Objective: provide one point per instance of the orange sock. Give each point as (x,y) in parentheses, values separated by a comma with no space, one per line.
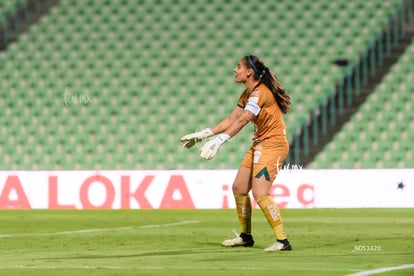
(272,214)
(244,212)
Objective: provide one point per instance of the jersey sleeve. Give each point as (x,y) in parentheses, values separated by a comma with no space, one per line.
(242,100)
(254,104)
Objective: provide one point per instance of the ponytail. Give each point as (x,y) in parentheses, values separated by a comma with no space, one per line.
(268,78)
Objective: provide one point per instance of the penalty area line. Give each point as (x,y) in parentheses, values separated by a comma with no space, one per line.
(381,270)
(83,231)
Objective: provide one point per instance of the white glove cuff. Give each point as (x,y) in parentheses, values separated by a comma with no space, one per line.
(222,138)
(207,131)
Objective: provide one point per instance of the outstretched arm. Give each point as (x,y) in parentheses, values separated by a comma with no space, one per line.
(229,127)
(189,140)
(236,118)
(224,130)
(237,122)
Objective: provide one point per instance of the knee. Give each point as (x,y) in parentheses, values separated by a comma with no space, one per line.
(237,190)
(259,193)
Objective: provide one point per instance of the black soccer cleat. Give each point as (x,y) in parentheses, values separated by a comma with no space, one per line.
(243,239)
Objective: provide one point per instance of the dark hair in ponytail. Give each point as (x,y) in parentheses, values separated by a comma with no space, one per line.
(266,76)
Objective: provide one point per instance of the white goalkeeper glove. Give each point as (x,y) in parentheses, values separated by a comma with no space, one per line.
(209,149)
(191,139)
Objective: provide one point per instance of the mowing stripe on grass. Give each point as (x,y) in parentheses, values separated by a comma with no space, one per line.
(206,268)
(382,270)
(99,230)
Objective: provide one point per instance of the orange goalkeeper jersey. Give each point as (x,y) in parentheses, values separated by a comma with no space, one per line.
(268,123)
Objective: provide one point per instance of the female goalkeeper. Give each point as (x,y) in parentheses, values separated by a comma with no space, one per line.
(263,102)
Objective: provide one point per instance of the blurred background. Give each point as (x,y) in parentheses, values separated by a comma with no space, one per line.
(114,84)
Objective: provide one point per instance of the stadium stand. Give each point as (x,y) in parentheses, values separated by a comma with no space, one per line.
(381,134)
(114,84)
(356,83)
(17,15)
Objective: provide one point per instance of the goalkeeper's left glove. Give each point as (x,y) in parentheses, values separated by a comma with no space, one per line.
(189,140)
(209,149)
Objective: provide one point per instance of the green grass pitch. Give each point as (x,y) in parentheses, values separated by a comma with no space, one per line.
(187,242)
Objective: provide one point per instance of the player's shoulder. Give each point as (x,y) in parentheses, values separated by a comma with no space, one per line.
(244,95)
(262,91)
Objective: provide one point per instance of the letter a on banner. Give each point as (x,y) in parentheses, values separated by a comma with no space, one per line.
(13,195)
(177,186)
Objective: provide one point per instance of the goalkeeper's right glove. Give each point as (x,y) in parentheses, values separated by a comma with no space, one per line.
(191,139)
(209,149)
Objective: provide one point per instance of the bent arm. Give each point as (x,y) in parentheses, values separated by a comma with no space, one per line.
(227,122)
(244,118)
(234,122)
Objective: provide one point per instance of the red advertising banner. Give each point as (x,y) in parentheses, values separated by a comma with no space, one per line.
(201,189)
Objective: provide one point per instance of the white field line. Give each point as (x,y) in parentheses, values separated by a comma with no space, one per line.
(98,230)
(382,270)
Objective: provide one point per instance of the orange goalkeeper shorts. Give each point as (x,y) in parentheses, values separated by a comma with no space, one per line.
(266,158)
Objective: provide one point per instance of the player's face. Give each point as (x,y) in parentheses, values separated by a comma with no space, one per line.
(242,73)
